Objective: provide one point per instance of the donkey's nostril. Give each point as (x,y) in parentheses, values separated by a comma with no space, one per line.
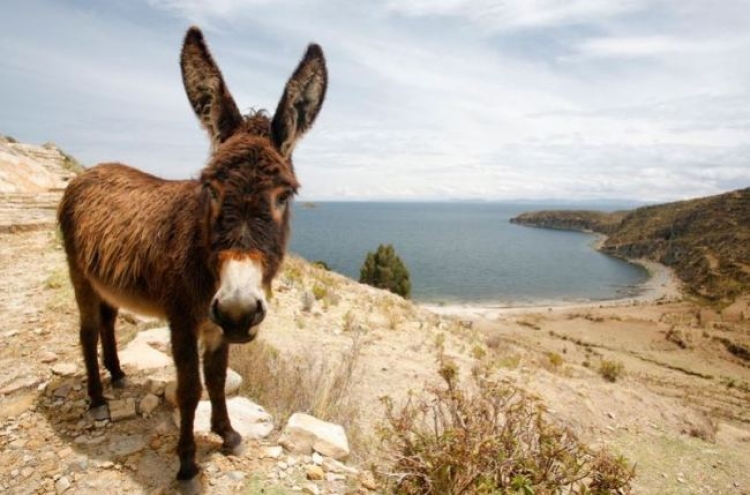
(260,313)
(213,312)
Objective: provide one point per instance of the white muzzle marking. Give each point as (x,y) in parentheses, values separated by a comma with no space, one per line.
(241,288)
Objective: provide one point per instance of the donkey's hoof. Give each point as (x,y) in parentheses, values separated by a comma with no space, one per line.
(121,382)
(193,486)
(99,413)
(233,444)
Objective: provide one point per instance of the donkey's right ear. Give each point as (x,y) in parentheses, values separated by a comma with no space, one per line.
(206,90)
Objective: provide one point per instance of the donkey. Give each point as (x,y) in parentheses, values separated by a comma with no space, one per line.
(200,253)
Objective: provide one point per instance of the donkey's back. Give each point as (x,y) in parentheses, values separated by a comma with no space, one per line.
(129,233)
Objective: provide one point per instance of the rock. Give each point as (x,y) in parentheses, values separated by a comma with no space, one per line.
(367,480)
(272,452)
(236,475)
(304,433)
(148,404)
(317,459)
(231,385)
(314,473)
(333,466)
(64,369)
(310,489)
(157,384)
(122,409)
(61,391)
(125,445)
(48,357)
(248,418)
(145,352)
(62,485)
(170,393)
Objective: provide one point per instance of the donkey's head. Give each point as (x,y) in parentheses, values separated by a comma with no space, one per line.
(248,182)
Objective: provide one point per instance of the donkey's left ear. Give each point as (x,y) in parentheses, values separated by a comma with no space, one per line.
(299,105)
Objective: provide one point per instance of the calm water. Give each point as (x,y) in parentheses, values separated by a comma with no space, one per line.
(464,252)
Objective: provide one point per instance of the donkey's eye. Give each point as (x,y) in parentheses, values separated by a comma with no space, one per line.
(282,199)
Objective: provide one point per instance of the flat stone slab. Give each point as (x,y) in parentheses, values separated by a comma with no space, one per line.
(248,418)
(145,352)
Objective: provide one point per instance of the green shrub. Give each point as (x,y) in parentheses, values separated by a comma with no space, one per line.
(322,264)
(490,439)
(385,270)
(319,292)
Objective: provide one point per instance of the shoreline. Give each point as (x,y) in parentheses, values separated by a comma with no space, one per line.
(662,285)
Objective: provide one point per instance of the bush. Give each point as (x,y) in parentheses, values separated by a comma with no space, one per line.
(385,270)
(611,370)
(490,439)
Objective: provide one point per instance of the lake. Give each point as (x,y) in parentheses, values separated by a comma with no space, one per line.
(466,252)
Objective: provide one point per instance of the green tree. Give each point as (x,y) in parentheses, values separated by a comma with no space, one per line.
(385,270)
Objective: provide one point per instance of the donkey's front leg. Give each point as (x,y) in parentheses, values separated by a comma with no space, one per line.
(185,354)
(215,374)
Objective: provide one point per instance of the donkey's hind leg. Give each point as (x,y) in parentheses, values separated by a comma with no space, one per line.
(108,315)
(88,307)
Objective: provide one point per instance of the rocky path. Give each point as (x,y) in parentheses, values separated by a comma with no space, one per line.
(48,443)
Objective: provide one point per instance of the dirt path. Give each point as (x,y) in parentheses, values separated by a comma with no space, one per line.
(47,442)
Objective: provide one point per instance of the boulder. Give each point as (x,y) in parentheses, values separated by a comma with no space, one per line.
(304,433)
(147,350)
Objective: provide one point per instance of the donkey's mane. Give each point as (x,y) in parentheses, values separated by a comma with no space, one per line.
(257,122)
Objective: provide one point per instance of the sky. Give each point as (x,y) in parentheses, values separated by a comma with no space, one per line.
(644,100)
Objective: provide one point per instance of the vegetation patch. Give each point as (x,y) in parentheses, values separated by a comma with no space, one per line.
(489,438)
(385,270)
(611,370)
(285,384)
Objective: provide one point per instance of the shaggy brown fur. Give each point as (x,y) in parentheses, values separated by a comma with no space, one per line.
(157,247)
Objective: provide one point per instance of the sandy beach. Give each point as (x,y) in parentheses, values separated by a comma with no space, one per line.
(662,285)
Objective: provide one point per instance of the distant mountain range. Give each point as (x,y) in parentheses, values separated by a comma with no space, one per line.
(706,241)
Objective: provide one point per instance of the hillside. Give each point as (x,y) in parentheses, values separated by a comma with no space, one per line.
(31,180)
(705,241)
(334,347)
(578,220)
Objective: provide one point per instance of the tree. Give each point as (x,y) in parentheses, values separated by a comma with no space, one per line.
(385,270)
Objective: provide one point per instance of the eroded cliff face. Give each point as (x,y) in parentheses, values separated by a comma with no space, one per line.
(32,179)
(30,169)
(706,240)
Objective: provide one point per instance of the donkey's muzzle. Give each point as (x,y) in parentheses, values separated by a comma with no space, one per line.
(238,327)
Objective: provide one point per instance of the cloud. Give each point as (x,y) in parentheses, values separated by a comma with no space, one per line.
(433,99)
(520,14)
(650,46)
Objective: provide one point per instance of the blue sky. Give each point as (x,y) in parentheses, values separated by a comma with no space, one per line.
(646,100)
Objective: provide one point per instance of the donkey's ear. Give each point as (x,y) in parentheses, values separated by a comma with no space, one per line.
(299,105)
(205,88)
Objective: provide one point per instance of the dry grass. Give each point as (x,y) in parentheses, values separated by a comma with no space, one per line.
(285,384)
(489,439)
(611,370)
